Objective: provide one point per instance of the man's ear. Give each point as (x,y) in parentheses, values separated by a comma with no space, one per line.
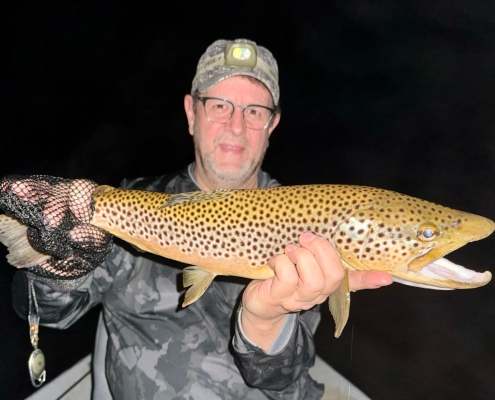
(189,108)
(274,123)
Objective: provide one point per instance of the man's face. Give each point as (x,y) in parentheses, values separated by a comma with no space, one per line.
(229,155)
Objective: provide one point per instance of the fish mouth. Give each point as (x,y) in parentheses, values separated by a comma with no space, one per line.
(431,271)
(443,274)
(431,255)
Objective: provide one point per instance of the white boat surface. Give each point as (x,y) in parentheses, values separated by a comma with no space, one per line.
(76,383)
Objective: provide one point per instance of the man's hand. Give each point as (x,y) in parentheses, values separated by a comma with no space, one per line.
(304,276)
(57,213)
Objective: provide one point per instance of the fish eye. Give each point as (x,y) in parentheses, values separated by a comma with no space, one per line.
(428,231)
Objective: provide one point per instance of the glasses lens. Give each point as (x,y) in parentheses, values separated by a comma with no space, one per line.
(218,111)
(256,117)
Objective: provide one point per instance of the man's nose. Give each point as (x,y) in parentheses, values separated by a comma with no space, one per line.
(236,122)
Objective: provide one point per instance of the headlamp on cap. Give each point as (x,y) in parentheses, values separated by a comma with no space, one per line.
(224,59)
(240,54)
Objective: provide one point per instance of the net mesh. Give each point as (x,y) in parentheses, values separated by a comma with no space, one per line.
(57,212)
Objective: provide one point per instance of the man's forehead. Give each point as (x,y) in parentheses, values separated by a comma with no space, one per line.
(241,82)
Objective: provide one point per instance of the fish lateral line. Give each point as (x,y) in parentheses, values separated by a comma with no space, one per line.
(193,197)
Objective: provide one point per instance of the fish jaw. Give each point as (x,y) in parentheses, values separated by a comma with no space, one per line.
(443,274)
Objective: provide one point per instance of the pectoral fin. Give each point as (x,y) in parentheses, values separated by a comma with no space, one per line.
(13,234)
(199,280)
(339,303)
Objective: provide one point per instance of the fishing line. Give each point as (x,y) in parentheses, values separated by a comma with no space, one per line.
(352,339)
(352,342)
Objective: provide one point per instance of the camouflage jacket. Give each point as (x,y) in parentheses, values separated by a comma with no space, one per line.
(149,347)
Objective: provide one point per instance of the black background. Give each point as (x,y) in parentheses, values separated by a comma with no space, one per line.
(393,94)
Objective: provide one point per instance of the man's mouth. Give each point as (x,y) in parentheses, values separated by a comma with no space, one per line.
(232,148)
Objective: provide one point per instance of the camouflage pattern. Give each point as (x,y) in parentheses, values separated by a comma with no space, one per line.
(158,350)
(211,68)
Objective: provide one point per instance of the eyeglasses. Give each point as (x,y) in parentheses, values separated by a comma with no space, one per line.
(220,111)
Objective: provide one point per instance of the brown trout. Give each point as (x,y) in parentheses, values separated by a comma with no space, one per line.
(235,232)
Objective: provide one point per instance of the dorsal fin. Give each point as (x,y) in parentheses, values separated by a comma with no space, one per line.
(102,189)
(193,197)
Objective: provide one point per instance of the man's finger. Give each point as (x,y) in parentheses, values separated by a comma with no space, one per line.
(327,259)
(80,197)
(359,280)
(286,278)
(311,279)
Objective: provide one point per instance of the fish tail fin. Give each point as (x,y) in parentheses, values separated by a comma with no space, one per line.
(199,280)
(13,234)
(339,303)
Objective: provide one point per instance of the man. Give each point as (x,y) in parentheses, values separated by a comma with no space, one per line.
(149,348)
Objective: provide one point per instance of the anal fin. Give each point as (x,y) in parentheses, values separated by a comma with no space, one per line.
(198,280)
(339,303)
(13,234)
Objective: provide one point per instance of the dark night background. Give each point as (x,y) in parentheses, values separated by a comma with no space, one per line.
(393,94)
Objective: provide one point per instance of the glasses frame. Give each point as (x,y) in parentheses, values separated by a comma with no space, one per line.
(203,99)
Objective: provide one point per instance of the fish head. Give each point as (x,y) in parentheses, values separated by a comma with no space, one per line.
(407,236)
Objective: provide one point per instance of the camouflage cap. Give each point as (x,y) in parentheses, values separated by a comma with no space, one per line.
(224,59)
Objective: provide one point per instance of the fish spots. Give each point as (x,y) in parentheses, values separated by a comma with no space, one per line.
(455,224)
(253,225)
